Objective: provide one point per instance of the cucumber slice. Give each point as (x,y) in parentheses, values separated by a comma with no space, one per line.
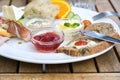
(23,21)
(77,17)
(70,15)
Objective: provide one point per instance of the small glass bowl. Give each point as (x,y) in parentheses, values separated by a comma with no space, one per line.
(48,39)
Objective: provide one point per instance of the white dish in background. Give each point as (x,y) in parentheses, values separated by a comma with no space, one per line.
(26,52)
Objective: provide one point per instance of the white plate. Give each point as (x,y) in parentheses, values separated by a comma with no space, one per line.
(26,52)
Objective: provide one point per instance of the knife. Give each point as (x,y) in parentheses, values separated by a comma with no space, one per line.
(100,36)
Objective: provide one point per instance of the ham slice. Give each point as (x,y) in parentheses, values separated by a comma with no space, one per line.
(3,40)
(19,30)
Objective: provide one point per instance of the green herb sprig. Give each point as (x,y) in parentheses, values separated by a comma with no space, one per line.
(71,25)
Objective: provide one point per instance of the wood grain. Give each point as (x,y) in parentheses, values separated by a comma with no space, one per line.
(89,76)
(84,66)
(30,68)
(107,62)
(104,5)
(57,68)
(116,5)
(19,3)
(7,65)
(117,48)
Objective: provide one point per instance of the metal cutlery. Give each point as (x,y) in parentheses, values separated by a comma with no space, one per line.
(105,14)
(100,36)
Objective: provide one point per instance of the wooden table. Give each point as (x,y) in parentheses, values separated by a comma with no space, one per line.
(104,67)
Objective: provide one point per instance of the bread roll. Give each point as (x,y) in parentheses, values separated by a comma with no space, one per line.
(41,9)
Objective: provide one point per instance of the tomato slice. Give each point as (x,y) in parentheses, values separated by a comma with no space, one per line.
(81,43)
(86,23)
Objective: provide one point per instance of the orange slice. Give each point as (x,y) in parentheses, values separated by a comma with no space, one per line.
(65,8)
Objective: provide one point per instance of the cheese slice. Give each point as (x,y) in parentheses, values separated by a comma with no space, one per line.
(12,12)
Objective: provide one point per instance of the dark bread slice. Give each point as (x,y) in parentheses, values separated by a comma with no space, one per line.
(102,45)
(104,28)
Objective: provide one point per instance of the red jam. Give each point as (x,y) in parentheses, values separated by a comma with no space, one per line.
(47,42)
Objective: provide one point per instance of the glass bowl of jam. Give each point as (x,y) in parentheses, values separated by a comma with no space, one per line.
(48,40)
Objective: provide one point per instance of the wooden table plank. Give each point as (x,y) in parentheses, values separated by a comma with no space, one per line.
(19,3)
(117,48)
(57,68)
(89,76)
(7,65)
(30,68)
(104,5)
(84,66)
(107,62)
(116,4)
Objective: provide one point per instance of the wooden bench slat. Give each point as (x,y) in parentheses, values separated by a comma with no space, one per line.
(30,68)
(84,66)
(57,68)
(7,65)
(118,50)
(107,62)
(116,5)
(19,3)
(104,5)
(89,76)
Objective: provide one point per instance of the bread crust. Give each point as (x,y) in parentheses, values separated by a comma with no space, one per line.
(102,45)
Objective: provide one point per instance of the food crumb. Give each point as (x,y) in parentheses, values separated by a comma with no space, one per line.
(19,42)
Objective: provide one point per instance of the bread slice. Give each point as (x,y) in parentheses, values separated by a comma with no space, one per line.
(100,46)
(41,9)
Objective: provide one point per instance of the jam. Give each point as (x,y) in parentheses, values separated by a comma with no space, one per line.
(47,42)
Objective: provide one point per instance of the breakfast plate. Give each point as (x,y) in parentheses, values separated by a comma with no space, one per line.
(26,52)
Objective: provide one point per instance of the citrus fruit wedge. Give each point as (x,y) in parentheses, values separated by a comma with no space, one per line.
(65,8)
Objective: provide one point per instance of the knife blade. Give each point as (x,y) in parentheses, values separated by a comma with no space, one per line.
(100,36)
